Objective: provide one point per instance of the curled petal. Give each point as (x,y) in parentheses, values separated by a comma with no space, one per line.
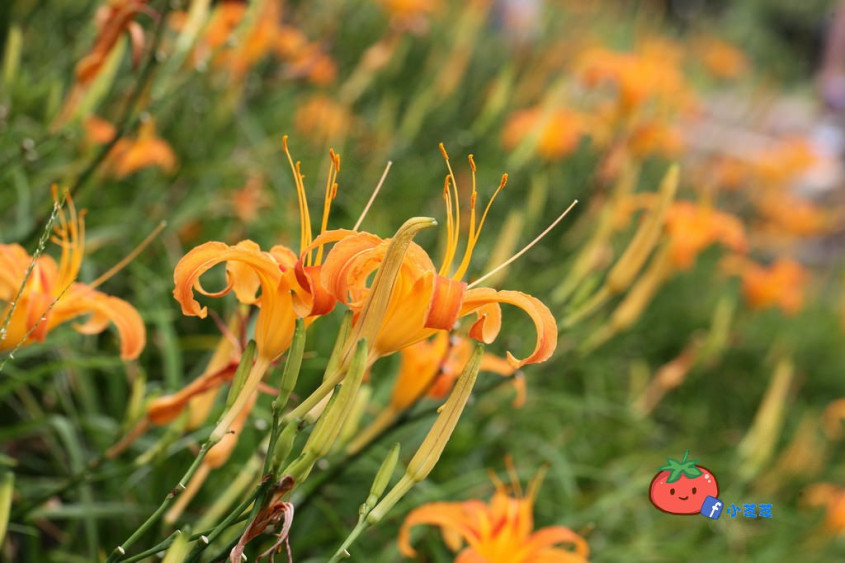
(336,266)
(104,309)
(543,320)
(240,277)
(199,260)
(446,303)
(310,297)
(451,516)
(284,256)
(489,323)
(546,538)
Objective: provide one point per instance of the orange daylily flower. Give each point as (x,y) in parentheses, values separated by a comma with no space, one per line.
(693,227)
(248,200)
(52,296)
(784,161)
(558,133)
(656,137)
(281,286)
(130,155)
(289,288)
(411,15)
(321,119)
(832,498)
(98,131)
(265,35)
(781,284)
(426,300)
(248,269)
(430,368)
(793,216)
(722,59)
(637,77)
(502,530)
(113,20)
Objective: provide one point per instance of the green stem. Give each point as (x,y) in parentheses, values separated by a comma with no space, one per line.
(155,549)
(120,550)
(233,517)
(343,551)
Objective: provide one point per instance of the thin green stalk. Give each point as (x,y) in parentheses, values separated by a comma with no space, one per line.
(343,551)
(232,518)
(120,550)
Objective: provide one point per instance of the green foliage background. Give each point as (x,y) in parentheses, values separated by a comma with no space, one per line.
(65,402)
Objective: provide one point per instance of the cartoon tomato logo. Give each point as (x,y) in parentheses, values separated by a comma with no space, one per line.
(680,487)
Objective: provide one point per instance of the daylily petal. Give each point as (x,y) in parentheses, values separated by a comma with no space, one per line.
(554,536)
(199,260)
(450,515)
(315,299)
(446,301)
(543,320)
(163,410)
(81,300)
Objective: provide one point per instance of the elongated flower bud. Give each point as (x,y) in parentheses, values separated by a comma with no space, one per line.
(7,481)
(331,421)
(645,238)
(294,361)
(432,446)
(241,373)
(632,260)
(339,345)
(382,479)
(375,307)
(755,450)
(284,445)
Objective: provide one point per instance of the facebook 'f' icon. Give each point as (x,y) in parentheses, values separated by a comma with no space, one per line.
(712,508)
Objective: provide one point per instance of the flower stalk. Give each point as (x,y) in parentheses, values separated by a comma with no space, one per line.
(427,454)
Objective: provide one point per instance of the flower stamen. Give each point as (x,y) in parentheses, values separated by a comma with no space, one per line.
(525,249)
(373,196)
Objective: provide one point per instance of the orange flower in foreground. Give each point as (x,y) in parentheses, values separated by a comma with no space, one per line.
(130,155)
(502,530)
(426,299)
(693,227)
(52,296)
(283,287)
(289,288)
(781,284)
(558,133)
